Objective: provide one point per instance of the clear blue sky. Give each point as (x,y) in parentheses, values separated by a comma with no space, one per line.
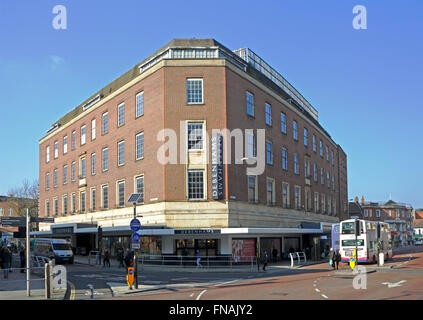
(366,84)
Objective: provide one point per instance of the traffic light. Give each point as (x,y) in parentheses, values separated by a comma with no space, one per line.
(357,229)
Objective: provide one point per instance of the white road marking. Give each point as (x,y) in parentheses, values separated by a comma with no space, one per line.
(227,282)
(191,295)
(324,296)
(394,285)
(176,279)
(199,296)
(317,290)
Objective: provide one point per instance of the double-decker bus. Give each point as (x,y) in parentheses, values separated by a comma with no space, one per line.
(373,236)
(335,236)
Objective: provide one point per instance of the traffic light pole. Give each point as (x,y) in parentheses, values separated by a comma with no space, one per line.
(136,253)
(28,261)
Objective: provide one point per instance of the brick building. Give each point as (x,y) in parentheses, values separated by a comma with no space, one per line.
(418,223)
(107,148)
(398,215)
(8,207)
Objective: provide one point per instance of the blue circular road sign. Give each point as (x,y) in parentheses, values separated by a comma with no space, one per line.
(135,237)
(135,225)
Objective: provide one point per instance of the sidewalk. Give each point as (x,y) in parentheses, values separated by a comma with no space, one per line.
(14,288)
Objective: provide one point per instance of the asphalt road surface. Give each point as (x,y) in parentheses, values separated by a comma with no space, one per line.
(400,278)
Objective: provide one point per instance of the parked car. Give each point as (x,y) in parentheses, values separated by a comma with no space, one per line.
(418,242)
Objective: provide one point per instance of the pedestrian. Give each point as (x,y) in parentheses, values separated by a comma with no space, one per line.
(106,260)
(265,260)
(1,256)
(22,258)
(198,259)
(275,254)
(120,257)
(128,258)
(337,258)
(7,259)
(332,258)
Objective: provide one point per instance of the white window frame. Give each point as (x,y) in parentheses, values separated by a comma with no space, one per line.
(56,149)
(65,144)
(202,91)
(121,115)
(121,153)
(139,104)
(141,134)
(203,181)
(83,134)
(93,129)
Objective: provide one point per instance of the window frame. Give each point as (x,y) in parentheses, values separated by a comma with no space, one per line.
(187,91)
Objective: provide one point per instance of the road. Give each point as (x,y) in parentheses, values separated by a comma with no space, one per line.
(316,282)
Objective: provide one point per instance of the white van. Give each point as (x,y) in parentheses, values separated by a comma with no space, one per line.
(58,249)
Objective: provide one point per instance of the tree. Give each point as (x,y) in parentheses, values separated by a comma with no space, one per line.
(26,196)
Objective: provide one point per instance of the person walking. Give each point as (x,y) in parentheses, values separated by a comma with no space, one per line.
(120,257)
(332,258)
(106,260)
(7,259)
(128,258)
(265,260)
(198,259)
(337,258)
(22,258)
(275,254)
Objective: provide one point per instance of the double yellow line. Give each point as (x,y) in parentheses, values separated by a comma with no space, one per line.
(72,290)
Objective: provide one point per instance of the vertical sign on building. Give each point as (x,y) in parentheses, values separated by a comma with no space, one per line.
(217,166)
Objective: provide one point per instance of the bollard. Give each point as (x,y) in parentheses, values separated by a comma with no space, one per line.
(46,281)
(50,277)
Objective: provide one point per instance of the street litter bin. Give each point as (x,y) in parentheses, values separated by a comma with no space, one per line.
(381,259)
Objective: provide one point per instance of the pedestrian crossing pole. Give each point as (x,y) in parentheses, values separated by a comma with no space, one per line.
(28,288)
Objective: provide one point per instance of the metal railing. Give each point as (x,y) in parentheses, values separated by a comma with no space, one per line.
(94,255)
(207,262)
(297,256)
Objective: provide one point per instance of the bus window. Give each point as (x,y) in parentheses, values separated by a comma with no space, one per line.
(348,228)
(352,243)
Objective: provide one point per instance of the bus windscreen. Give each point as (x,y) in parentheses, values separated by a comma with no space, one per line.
(348,228)
(352,243)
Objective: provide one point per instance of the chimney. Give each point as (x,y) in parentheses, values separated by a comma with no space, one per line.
(362,199)
(356,199)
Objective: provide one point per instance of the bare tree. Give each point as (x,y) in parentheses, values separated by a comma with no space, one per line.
(26,196)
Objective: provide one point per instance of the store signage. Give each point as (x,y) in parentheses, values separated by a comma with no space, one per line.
(217,166)
(197,231)
(66,230)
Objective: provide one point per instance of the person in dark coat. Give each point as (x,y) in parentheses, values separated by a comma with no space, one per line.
(106,260)
(265,260)
(120,257)
(7,260)
(22,259)
(337,259)
(128,258)
(275,254)
(332,258)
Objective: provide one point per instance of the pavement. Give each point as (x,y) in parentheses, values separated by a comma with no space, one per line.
(15,287)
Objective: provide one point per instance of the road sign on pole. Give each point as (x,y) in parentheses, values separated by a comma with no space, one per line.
(13,221)
(135,237)
(135,225)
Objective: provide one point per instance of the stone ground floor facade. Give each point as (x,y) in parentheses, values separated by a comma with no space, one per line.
(213,228)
